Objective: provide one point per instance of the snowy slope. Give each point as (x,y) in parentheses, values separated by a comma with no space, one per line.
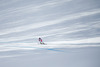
(70,28)
(29,55)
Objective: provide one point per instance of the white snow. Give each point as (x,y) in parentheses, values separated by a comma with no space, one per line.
(70,28)
(35,55)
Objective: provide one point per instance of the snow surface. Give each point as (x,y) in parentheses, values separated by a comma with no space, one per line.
(70,28)
(51,55)
(35,55)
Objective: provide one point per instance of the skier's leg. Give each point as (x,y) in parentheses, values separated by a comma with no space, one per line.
(40,43)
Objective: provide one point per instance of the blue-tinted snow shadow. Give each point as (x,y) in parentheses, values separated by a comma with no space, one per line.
(56,50)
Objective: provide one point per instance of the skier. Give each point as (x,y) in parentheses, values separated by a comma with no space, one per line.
(40,40)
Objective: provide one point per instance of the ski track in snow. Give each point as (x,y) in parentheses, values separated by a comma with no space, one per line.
(52,20)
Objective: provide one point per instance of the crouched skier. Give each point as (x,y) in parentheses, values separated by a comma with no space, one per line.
(41,41)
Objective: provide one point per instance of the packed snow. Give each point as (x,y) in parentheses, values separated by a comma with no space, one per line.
(70,30)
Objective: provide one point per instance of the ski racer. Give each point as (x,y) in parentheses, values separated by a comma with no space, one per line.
(40,40)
